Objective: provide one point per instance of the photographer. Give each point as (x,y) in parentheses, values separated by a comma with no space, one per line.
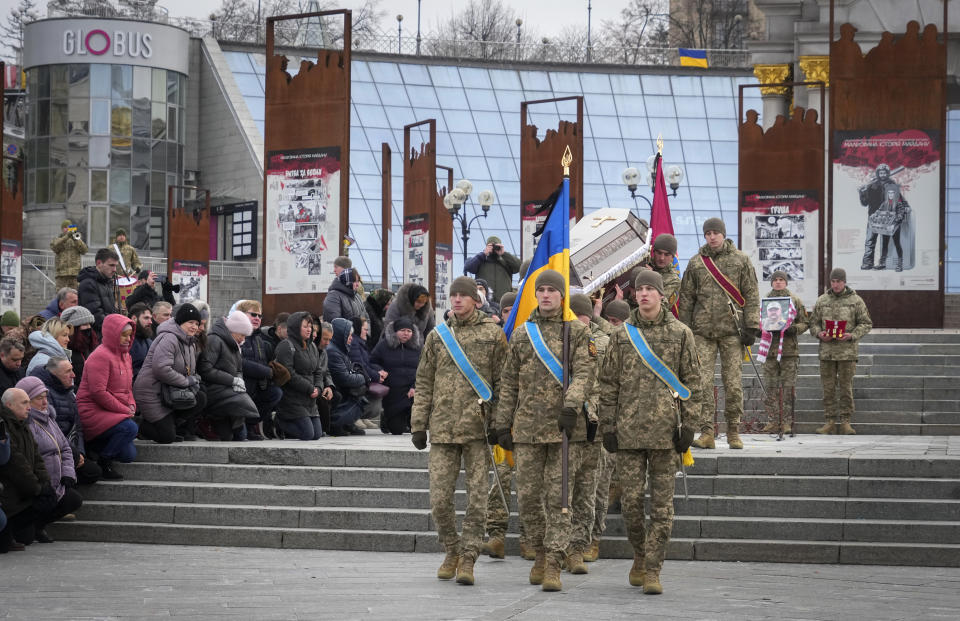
(495,266)
(146,292)
(69,249)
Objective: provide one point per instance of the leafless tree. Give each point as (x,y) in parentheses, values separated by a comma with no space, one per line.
(484,28)
(12,29)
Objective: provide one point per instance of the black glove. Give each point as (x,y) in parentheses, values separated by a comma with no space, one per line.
(747,338)
(682,439)
(592,430)
(610,441)
(176,288)
(419,439)
(491,436)
(567,421)
(45,501)
(504,439)
(68,482)
(166,286)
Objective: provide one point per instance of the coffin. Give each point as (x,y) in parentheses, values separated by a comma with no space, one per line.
(604,248)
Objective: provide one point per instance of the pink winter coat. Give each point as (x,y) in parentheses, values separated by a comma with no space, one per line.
(105,397)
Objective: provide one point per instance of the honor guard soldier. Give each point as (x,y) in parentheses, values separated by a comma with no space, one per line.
(720,302)
(649,398)
(661,261)
(458,381)
(839,320)
(783,358)
(533,412)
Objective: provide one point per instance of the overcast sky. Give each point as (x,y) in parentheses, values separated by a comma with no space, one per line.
(546,17)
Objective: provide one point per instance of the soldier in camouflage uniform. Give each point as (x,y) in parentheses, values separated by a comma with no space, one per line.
(783,372)
(131,260)
(68,250)
(838,357)
(532,413)
(661,262)
(639,420)
(617,312)
(705,308)
(585,456)
(448,406)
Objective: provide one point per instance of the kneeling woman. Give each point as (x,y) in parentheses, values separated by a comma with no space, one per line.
(221,368)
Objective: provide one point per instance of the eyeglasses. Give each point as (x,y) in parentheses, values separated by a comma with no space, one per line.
(254,314)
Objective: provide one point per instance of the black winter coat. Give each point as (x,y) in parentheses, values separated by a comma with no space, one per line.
(342,301)
(64,403)
(375,317)
(148,295)
(400,362)
(21,478)
(96,293)
(257,352)
(302,359)
(345,378)
(219,364)
(8,378)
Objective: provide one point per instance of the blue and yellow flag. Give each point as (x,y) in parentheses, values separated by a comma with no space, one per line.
(553,253)
(693,58)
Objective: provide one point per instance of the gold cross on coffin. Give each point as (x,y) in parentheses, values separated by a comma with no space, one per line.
(600,221)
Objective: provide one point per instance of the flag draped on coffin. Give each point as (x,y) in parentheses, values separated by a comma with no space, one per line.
(693,58)
(553,253)
(660,220)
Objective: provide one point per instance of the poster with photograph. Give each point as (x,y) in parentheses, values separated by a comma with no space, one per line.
(193,278)
(531,218)
(11,254)
(303,219)
(443,254)
(416,237)
(780,230)
(886,198)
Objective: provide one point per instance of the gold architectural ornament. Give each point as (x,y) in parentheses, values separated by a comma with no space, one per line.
(816,69)
(566,160)
(772,74)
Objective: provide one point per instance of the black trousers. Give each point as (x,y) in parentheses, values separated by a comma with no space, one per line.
(24,525)
(164,431)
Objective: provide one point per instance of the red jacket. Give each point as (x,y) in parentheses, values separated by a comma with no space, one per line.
(105,397)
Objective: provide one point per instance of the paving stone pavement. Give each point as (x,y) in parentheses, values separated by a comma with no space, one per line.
(79,580)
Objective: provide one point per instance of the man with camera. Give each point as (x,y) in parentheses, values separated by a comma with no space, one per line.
(68,249)
(494,265)
(146,292)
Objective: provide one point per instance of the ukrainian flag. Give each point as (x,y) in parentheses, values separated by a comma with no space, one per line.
(553,252)
(693,58)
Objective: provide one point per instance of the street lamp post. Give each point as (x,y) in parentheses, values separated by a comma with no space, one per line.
(418,27)
(455,199)
(399,33)
(519,23)
(631,179)
(589,15)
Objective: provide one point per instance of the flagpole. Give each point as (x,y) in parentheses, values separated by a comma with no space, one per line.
(565,446)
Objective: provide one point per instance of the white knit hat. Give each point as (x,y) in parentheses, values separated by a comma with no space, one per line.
(238,323)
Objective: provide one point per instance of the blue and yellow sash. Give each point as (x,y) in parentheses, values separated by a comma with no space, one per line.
(653,362)
(456,352)
(543,352)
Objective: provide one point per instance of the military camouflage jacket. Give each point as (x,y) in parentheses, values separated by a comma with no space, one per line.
(671,284)
(530,397)
(849,307)
(703,303)
(445,402)
(601,340)
(605,326)
(68,252)
(800,324)
(130,258)
(634,402)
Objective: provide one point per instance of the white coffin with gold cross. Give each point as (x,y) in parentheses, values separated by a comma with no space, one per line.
(605,245)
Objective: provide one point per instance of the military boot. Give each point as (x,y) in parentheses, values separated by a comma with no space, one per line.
(844,429)
(733,438)
(575,562)
(637,571)
(593,552)
(494,547)
(651,583)
(551,573)
(465,568)
(771,427)
(705,441)
(536,572)
(828,429)
(527,553)
(448,569)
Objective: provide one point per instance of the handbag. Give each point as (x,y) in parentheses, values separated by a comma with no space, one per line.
(178,398)
(377,391)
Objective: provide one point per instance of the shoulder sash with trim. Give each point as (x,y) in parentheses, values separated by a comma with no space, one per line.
(722,280)
(480,385)
(547,357)
(653,362)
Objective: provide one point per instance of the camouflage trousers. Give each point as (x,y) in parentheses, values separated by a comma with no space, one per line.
(632,468)
(538,491)
(837,379)
(605,474)
(731,361)
(776,375)
(444,469)
(498,514)
(66,281)
(584,475)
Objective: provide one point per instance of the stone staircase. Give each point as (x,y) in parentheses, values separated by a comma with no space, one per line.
(863,500)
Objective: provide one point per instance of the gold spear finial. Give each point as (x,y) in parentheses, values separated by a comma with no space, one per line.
(566,160)
(660,144)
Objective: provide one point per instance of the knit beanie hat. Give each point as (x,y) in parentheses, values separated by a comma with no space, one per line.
(120,232)
(343,262)
(66,224)
(238,323)
(403,323)
(77,316)
(32,385)
(187,312)
(464,285)
(779,274)
(580,304)
(508,299)
(649,278)
(715,224)
(552,278)
(414,293)
(10,319)
(838,273)
(665,242)
(618,309)
(493,239)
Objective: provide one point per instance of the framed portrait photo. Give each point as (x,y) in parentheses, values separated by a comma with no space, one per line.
(773,313)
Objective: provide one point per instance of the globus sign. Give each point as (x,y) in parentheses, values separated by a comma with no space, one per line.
(98,42)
